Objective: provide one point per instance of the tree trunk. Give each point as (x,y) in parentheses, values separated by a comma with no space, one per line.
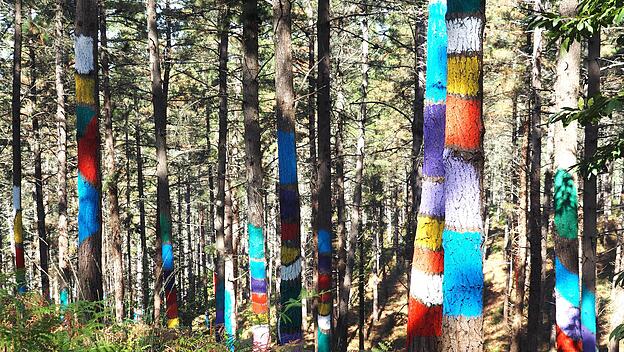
(535,217)
(566,198)
(164,228)
(617,293)
(142,238)
(89,175)
(289,325)
(424,326)
(221,162)
(112,192)
(128,223)
(61,155)
(462,285)
(590,210)
(324,216)
(36,145)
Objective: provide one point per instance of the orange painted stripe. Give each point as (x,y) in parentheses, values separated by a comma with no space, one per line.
(423,320)
(259,308)
(463,123)
(427,261)
(566,344)
(259,298)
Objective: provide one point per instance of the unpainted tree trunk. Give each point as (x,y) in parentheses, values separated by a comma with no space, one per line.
(143,279)
(128,224)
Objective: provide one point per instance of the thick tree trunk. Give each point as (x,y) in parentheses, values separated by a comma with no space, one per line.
(89,175)
(36,145)
(324,216)
(567,293)
(221,162)
(289,326)
(61,154)
(534,319)
(462,239)
(164,228)
(112,192)
(590,210)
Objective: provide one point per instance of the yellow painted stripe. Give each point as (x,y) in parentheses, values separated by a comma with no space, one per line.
(85,90)
(17,228)
(463,75)
(429,233)
(289,255)
(324,308)
(173,323)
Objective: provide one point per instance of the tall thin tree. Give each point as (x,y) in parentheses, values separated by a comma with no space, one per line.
(289,328)
(163,224)
(462,285)
(424,327)
(88,135)
(567,295)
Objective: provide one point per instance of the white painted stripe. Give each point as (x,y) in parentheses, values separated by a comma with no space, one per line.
(292,271)
(426,288)
(17,198)
(324,322)
(83,48)
(261,335)
(463,35)
(463,198)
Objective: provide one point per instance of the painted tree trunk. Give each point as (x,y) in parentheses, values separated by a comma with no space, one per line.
(462,285)
(424,326)
(324,216)
(567,295)
(88,135)
(61,122)
(290,318)
(590,209)
(163,228)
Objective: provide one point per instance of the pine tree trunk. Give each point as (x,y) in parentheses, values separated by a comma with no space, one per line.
(36,145)
(89,175)
(565,197)
(424,325)
(324,216)
(590,210)
(142,238)
(128,223)
(462,239)
(289,325)
(112,192)
(534,320)
(617,293)
(221,162)
(164,228)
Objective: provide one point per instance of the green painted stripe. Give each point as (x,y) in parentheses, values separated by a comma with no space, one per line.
(464,6)
(566,205)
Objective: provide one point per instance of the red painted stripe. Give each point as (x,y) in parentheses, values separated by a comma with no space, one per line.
(290,232)
(566,344)
(324,282)
(259,298)
(463,123)
(423,320)
(172,304)
(19,257)
(427,261)
(87,152)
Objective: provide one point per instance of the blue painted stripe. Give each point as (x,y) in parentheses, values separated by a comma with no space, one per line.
(286,152)
(88,209)
(462,284)
(288,204)
(229,312)
(256,242)
(588,310)
(567,283)
(324,241)
(257,269)
(436,53)
(167,256)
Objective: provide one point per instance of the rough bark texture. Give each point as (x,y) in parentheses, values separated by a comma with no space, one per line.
(324,216)
(89,175)
(590,210)
(289,325)
(142,237)
(164,228)
(462,285)
(424,325)
(128,224)
(534,319)
(112,192)
(567,293)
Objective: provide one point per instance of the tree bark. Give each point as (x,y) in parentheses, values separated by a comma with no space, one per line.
(164,228)
(566,197)
(89,173)
(535,217)
(590,210)
(128,223)
(142,238)
(462,285)
(112,192)
(324,216)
